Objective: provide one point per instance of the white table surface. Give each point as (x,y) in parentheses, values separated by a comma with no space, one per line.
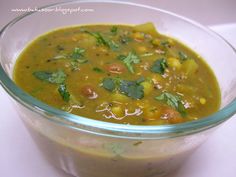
(19,156)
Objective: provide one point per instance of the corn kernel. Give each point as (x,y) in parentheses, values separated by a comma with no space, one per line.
(202,100)
(118,111)
(142,49)
(141,103)
(148,87)
(174,63)
(156,78)
(151,113)
(189,67)
(102,49)
(119,97)
(138,36)
(171,42)
(156,41)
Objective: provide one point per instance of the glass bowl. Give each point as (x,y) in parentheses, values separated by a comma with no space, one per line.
(88,148)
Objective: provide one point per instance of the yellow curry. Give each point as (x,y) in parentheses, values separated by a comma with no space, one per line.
(118,73)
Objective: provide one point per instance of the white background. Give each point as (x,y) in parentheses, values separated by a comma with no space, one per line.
(19,156)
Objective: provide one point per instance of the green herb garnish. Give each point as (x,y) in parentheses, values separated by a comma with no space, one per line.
(165,44)
(77,53)
(42,75)
(125,39)
(121,57)
(132,89)
(147,54)
(77,57)
(109,84)
(57,77)
(159,66)
(129,60)
(98,36)
(140,80)
(82,60)
(63,92)
(182,56)
(114,30)
(103,41)
(112,45)
(57,57)
(98,70)
(74,65)
(172,101)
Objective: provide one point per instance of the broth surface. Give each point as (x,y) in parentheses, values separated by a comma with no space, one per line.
(118,73)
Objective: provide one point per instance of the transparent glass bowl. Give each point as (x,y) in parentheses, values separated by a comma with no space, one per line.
(90,148)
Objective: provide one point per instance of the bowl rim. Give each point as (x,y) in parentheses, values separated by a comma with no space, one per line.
(110,129)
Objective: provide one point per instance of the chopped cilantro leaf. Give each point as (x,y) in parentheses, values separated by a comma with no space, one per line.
(57,57)
(181,109)
(74,65)
(135,91)
(57,77)
(172,101)
(98,70)
(121,57)
(129,60)
(182,56)
(42,75)
(112,45)
(125,39)
(140,80)
(77,53)
(109,84)
(159,66)
(63,92)
(82,60)
(114,30)
(147,54)
(165,44)
(132,89)
(102,41)
(77,56)
(99,38)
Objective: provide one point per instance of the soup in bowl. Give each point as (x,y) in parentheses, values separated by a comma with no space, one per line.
(115,95)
